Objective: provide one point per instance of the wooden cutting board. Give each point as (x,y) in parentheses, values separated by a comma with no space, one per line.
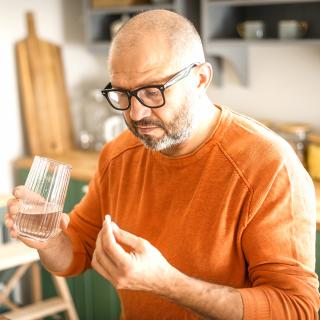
(45,104)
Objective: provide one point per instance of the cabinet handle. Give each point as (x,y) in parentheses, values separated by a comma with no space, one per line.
(85,188)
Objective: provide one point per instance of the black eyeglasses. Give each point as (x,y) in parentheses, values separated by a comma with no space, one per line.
(150,96)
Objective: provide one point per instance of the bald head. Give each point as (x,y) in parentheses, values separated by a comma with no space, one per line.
(170,36)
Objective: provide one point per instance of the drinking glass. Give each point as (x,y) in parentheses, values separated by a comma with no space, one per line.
(43,198)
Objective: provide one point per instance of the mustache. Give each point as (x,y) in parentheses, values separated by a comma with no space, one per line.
(148,122)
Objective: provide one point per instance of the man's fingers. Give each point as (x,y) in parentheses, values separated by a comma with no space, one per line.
(96,265)
(65,219)
(23,193)
(103,258)
(129,239)
(13,233)
(8,221)
(13,206)
(109,245)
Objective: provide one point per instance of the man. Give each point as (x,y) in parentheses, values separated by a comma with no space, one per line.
(195,212)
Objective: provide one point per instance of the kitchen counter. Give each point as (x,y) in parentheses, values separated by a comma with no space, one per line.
(84,164)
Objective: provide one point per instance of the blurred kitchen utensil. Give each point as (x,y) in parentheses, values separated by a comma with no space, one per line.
(113,126)
(296,135)
(43,94)
(251,30)
(292,29)
(94,113)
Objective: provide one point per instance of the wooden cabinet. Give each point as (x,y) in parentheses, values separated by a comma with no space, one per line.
(94,297)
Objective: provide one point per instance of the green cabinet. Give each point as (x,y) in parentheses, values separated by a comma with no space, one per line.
(94,297)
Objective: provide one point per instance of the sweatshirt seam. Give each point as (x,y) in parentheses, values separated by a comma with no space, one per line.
(119,154)
(242,177)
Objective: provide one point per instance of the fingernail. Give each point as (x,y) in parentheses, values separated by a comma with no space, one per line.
(107,219)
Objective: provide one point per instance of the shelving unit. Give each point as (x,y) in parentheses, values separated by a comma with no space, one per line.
(98,21)
(219,20)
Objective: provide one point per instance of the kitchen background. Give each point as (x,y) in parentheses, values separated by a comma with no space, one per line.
(283,87)
(284,79)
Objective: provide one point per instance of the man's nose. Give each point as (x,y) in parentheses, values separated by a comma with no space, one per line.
(137,110)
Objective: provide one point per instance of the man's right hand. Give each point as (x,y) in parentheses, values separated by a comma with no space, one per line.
(13,206)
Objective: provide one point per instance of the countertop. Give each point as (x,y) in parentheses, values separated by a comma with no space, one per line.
(85,163)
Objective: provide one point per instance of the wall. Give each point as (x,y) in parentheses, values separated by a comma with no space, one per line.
(284,80)
(57,21)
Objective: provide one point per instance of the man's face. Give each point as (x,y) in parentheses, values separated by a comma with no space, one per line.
(161,128)
(164,130)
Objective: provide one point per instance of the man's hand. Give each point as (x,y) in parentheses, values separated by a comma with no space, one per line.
(143,268)
(13,205)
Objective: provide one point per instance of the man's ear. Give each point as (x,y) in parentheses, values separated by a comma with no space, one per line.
(205,74)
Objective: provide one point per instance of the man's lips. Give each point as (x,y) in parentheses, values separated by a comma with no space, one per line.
(147,129)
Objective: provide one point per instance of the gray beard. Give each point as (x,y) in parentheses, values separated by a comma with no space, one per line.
(176,131)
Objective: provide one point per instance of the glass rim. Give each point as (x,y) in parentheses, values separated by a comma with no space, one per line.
(58,162)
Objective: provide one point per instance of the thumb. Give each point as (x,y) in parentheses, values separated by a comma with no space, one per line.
(65,219)
(128,239)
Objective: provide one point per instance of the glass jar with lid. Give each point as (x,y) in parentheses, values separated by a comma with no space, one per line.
(296,135)
(95,111)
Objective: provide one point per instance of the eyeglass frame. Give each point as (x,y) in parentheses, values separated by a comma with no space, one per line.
(162,87)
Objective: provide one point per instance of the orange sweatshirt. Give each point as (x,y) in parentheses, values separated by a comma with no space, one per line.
(239,211)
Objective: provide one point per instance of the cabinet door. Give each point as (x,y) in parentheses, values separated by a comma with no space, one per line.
(94,297)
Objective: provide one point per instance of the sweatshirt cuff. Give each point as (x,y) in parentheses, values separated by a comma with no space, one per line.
(79,261)
(255,304)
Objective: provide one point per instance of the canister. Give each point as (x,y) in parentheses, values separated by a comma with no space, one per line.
(313,157)
(296,135)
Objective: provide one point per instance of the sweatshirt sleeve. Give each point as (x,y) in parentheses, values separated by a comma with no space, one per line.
(279,245)
(85,224)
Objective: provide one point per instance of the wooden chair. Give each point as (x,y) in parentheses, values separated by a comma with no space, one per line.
(17,255)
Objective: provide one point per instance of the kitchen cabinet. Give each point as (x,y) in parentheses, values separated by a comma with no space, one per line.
(94,297)
(220,18)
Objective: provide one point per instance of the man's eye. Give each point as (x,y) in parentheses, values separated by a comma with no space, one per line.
(152,92)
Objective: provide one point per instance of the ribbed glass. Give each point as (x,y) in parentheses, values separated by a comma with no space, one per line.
(43,199)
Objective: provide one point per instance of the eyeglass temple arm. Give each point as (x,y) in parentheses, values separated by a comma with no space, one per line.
(180,76)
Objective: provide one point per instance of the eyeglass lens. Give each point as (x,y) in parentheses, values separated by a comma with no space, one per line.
(151,97)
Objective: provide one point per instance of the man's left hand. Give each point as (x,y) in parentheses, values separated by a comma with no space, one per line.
(143,268)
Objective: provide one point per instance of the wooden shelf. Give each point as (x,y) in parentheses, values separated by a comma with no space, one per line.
(131,9)
(243,42)
(256,2)
(84,164)
(220,19)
